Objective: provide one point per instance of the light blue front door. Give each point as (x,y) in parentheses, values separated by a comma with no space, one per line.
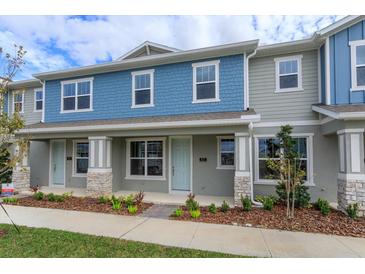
(180,164)
(58,163)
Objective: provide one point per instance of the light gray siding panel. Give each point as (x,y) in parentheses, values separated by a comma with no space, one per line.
(29,115)
(283,106)
(207,179)
(39,163)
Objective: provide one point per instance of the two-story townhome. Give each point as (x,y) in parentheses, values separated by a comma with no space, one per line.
(159,119)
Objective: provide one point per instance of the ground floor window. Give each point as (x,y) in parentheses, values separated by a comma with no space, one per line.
(268,148)
(226,149)
(145,157)
(81,157)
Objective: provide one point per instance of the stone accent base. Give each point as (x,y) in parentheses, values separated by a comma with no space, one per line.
(21,179)
(99,183)
(350,192)
(242,186)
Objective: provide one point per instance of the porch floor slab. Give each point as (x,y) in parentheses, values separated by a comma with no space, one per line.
(214,237)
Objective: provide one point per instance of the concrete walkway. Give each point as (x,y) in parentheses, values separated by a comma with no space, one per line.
(221,238)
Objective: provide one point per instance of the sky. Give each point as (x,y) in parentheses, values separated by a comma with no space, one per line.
(60,42)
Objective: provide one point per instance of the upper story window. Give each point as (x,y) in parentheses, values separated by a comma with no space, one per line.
(358,65)
(77,95)
(142,88)
(18,102)
(225,152)
(38,100)
(206,82)
(288,72)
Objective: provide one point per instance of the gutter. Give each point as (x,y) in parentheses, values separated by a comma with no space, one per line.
(250,130)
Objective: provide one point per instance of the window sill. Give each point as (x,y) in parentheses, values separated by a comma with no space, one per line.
(73,111)
(361,88)
(79,175)
(143,106)
(274,183)
(206,101)
(288,90)
(37,110)
(146,178)
(226,167)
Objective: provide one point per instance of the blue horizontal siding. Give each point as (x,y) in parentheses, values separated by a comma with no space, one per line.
(112,94)
(340,65)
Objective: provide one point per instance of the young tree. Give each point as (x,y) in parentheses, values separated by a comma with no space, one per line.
(10,64)
(289,167)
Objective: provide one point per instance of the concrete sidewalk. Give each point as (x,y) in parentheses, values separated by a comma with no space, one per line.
(221,238)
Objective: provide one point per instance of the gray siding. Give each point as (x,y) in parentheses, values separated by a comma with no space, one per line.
(29,115)
(39,163)
(290,105)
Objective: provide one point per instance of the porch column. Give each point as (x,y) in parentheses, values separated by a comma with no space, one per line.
(21,172)
(242,176)
(100,173)
(351,176)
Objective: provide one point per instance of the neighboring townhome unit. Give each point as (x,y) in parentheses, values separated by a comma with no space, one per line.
(159,119)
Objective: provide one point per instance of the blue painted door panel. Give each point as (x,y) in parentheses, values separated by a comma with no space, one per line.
(58,163)
(180,164)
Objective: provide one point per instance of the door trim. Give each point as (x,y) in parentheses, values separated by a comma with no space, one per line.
(50,181)
(171,191)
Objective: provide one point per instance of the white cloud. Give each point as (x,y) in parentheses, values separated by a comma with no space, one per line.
(57,42)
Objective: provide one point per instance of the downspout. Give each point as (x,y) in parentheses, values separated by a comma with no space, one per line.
(250,132)
(246,84)
(43,98)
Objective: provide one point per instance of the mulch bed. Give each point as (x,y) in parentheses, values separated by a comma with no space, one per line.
(79,204)
(306,220)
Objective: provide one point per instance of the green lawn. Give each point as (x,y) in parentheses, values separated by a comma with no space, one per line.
(42,242)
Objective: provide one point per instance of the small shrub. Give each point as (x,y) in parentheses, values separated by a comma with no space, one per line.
(268,203)
(261,198)
(224,206)
(103,199)
(67,195)
(191,203)
(128,200)
(246,203)
(195,213)
(34,189)
(132,209)
(59,198)
(352,210)
(212,208)
(51,197)
(302,196)
(138,198)
(38,196)
(323,206)
(178,212)
(10,200)
(116,203)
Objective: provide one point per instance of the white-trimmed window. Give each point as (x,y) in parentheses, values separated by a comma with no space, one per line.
(358,65)
(268,148)
(38,100)
(18,102)
(146,158)
(225,148)
(206,82)
(77,95)
(80,157)
(288,73)
(142,88)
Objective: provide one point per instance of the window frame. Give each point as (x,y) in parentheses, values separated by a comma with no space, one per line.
(22,102)
(219,152)
(216,81)
(146,176)
(151,72)
(353,45)
(35,100)
(309,140)
(277,61)
(74,157)
(76,81)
